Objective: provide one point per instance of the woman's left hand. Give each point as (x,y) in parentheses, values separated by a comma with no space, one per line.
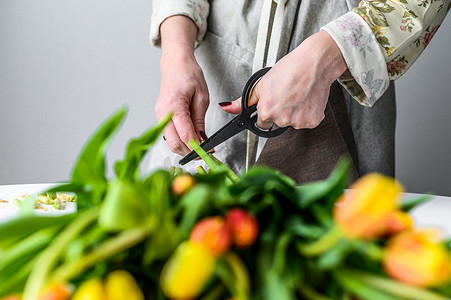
(295,91)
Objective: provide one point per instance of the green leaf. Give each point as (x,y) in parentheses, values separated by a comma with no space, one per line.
(335,256)
(193,203)
(22,227)
(392,287)
(409,204)
(89,168)
(128,168)
(329,189)
(124,207)
(273,285)
(359,287)
(166,235)
(298,227)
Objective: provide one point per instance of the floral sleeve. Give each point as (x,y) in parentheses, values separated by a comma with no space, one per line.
(380,39)
(196,10)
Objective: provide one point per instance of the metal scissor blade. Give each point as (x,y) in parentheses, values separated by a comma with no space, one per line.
(223,134)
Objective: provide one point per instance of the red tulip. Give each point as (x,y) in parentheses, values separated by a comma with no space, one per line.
(243,226)
(212,233)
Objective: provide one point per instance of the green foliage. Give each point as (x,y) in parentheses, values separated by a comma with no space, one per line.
(134,222)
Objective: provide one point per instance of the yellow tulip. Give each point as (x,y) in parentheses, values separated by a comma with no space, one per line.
(120,285)
(418,258)
(187,270)
(363,211)
(91,289)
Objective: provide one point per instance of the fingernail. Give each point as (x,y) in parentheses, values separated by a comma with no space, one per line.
(222,104)
(203,135)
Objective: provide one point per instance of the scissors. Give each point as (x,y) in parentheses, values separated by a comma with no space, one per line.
(245,120)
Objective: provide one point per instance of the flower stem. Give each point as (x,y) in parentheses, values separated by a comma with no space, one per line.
(202,154)
(324,243)
(49,257)
(310,294)
(107,249)
(396,288)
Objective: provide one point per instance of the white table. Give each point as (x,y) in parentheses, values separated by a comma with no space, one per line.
(9,192)
(435,213)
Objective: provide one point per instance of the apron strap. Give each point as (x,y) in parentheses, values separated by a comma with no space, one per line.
(267,43)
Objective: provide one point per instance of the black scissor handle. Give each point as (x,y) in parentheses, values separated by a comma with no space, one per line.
(248,111)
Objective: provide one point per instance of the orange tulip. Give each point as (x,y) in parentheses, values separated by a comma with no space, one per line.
(397,222)
(243,227)
(418,258)
(56,292)
(213,234)
(363,211)
(187,270)
(182,184)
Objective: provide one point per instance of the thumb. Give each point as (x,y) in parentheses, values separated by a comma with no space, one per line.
(233,107)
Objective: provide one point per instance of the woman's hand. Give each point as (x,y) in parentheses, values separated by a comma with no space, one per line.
(183,90)
(295,91)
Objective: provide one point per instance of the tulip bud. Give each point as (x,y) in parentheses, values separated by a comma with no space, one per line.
(56,292)
(187,270)
(120,285)
(417,258)
(397,222)
(213,234)
(91,289)
(243,227)
(182,183)
(363,211)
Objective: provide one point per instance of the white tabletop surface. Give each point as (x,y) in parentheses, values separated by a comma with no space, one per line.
(434,213)
(9,192)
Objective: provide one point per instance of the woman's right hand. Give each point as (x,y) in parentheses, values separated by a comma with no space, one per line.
(183,90)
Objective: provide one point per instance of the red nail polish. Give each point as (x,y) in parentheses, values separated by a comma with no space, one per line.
(222,104)
(203,135)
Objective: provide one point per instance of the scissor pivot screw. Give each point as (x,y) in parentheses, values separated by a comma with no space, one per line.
(241,123)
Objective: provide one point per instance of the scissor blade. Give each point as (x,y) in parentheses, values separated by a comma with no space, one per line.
(223,134)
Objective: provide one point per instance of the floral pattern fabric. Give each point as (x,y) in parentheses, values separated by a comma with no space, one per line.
(401,29)
(379,39)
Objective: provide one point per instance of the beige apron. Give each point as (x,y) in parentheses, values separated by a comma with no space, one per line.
(311,154)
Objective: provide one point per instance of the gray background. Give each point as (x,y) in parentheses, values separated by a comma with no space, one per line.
(66,65)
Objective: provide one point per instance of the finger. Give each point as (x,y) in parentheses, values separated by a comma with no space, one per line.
(264,125)
(185,127)
(173,140)
(233,107)
(198,110)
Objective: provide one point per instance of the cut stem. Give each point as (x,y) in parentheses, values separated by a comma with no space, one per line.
(202,154)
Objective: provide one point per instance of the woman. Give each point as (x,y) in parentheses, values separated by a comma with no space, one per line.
(318,42)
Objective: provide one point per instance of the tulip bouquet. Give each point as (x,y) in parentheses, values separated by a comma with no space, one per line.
(216,235)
